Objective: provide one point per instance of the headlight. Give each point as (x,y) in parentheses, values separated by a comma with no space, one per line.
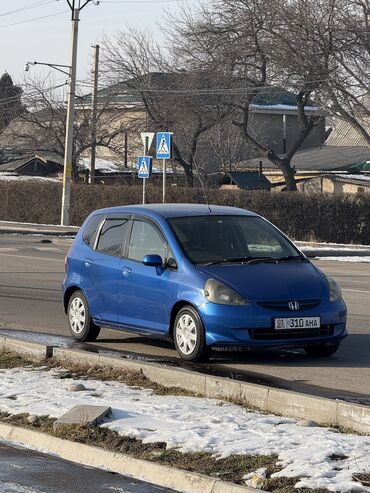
(335,293)
(215,292)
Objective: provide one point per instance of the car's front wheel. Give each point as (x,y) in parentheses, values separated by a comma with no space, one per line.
(189,335)
(322,350)
(81,325)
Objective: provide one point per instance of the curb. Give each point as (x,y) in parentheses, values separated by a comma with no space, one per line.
(315,244)
(327,412)
(150,472)
(10,227)
(312,253)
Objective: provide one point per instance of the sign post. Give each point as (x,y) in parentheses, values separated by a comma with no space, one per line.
(147,138)
(164,151)
(144,166)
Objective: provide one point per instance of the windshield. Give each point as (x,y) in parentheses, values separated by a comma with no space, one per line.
(217,239)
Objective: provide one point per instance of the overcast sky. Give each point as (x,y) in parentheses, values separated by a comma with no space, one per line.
(25,36)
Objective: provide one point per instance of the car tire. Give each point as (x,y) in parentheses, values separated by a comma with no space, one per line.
(81,326)
(322,350)
(189,336)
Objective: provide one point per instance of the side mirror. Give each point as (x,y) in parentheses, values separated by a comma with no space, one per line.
(152,261)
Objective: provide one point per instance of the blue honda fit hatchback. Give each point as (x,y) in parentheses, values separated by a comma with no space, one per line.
(207,278)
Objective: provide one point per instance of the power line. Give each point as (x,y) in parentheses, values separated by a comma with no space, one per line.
(40,3)
(143,1)
(33,20)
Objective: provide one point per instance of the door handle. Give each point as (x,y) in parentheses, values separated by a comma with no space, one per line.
(88,262)
(126,271)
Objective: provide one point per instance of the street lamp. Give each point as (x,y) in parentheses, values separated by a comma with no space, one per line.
(55,66)
(76,6)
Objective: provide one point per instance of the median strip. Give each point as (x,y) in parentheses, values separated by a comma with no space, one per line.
(209,441)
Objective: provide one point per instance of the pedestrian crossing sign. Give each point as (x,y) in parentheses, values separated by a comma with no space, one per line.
(144,166)
(164,145)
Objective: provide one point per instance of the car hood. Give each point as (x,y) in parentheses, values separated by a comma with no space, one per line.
(271,281)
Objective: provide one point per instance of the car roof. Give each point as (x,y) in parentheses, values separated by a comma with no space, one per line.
(178,210)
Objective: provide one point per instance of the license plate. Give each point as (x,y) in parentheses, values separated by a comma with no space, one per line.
(297,323)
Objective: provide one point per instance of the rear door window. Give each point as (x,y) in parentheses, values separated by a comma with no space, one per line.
(113,236)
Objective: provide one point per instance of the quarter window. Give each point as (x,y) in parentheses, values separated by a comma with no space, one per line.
(113,236)
(91,230)
(146,240)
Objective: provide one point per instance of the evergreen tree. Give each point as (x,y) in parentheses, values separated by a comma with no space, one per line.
(10,100)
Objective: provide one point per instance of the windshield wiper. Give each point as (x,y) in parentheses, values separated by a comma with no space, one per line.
(253,260)
(236,260)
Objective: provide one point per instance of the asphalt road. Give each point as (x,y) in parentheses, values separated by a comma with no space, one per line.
(31,274)
(24,471)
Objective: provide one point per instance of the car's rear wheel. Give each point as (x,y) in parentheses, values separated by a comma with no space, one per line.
(81,325)
(322,350)
(189,335)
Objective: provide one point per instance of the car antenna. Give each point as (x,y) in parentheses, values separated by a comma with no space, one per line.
(201,172)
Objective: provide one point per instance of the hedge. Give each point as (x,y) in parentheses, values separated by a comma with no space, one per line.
(322,217)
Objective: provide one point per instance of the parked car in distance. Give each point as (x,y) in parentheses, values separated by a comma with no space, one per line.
(208,278)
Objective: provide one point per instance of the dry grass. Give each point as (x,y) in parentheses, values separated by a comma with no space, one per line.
(364,479)
(231,469)
(126,376)
(10,360)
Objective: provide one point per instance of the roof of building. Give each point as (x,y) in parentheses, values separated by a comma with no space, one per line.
(43,157)
(363,180)
(345,135)
(128,93)
(249,180)
(25,135)
(323,158)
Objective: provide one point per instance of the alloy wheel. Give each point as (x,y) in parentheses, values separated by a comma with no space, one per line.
(77,315)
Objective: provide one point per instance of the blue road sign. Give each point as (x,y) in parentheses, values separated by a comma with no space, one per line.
(144,166)
(164,145)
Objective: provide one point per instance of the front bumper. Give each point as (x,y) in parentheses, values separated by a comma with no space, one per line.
(251,326)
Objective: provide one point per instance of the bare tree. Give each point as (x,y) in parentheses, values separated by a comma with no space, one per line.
(329,46)
(236,38)
(42,125)
(173,99)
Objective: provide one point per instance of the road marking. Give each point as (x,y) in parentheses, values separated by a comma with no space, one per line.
(33,258)
(46,249)
(356,290)
(8,249)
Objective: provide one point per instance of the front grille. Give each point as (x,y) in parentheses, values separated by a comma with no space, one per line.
(275,335)
(283,305)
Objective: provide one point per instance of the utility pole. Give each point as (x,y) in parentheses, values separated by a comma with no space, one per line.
(94,112)
(76,7)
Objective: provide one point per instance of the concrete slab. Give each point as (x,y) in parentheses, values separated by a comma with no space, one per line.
(295,405)
(160,475)
(32,350)
(83,415)
(354,416)
(75,356)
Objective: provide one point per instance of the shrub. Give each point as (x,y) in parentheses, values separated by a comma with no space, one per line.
(321,217)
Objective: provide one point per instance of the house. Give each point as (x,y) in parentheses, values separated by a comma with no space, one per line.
(310,163)
(245,180)
(273,120)
(39,164)
(338,183)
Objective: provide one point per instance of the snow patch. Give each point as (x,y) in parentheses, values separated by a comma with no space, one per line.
(346,259)
(198,424)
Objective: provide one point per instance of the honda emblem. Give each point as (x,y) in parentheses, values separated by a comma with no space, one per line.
(293,305)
